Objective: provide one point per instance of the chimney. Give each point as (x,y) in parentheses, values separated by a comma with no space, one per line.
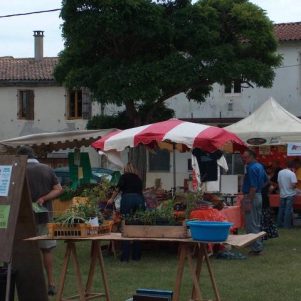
(38,44)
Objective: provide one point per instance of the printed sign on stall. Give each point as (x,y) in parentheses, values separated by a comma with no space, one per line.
(4,215)
(294,149)
(264,150)
(5,174)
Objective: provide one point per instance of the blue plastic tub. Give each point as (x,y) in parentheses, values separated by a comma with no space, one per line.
(209,231)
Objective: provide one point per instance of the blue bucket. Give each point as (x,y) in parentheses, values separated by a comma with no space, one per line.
(209,231)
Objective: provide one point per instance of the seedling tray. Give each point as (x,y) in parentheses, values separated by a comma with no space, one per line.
(56,230)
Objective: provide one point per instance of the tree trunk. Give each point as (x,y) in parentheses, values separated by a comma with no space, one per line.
(137,156)
(132,113)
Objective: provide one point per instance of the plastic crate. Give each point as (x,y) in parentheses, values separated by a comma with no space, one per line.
(78,230)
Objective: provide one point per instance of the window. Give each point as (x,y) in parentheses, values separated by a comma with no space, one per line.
(159,161)
(233,87)
(79,104)
(26,104)
(74,103)
(235,164)
(189,165)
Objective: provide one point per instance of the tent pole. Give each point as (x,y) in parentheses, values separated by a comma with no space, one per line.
(174,168)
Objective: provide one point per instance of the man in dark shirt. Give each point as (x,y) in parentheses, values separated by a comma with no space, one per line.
(255,179)
(44,187)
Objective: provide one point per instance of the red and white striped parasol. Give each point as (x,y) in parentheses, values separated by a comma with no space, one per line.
(173,132)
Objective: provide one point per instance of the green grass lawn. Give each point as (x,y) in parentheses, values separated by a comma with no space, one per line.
(276,275)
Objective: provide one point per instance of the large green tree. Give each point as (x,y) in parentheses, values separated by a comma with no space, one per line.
(138,53)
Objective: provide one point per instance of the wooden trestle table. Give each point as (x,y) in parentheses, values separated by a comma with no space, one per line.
(186,249)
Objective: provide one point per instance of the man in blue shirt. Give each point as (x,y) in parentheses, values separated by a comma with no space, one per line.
(254,180)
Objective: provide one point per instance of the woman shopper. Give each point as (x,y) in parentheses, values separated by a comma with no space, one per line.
(267,222)
(130,186)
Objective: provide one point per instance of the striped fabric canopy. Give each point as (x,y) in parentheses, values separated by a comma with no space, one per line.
(173,131)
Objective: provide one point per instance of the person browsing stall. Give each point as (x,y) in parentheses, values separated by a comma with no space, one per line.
(255,179)
(287,183)
(130,185)
(44,187)
(297,166)
(267,221)
(275,168)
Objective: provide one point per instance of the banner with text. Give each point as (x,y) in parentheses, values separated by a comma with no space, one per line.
(294,149)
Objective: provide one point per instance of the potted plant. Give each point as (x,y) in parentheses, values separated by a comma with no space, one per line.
(81,195)
(156,223)
(79,221)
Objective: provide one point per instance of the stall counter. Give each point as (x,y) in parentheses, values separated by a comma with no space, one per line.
(275,201)
(233,215)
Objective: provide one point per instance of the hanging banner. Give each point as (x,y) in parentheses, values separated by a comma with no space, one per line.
(5,174)
(294,149)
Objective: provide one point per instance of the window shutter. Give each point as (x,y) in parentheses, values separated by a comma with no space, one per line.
(86,104)
(19,104)
(30,112)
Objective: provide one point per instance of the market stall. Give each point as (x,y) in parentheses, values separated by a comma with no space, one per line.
(269,130)
(269,125)
(165,222)
(174,134)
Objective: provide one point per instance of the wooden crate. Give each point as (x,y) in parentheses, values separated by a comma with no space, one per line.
(137,231)
(56,230)
(59,207)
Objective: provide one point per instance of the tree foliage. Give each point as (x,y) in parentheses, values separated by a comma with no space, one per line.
(121,120)
(129,52)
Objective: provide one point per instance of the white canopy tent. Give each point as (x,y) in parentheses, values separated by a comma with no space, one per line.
(270,124)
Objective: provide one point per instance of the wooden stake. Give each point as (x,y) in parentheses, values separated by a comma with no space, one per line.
(102,269)
(199,263)
(196,285)
(59,295)
(212,278)
(79,282)
(91,269)
(180,270)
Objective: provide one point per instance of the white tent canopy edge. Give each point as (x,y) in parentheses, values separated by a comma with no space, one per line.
(271,123)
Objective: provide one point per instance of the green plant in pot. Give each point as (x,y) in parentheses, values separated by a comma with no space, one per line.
(97,193)
(68,194)
(81,213)
(161,216)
